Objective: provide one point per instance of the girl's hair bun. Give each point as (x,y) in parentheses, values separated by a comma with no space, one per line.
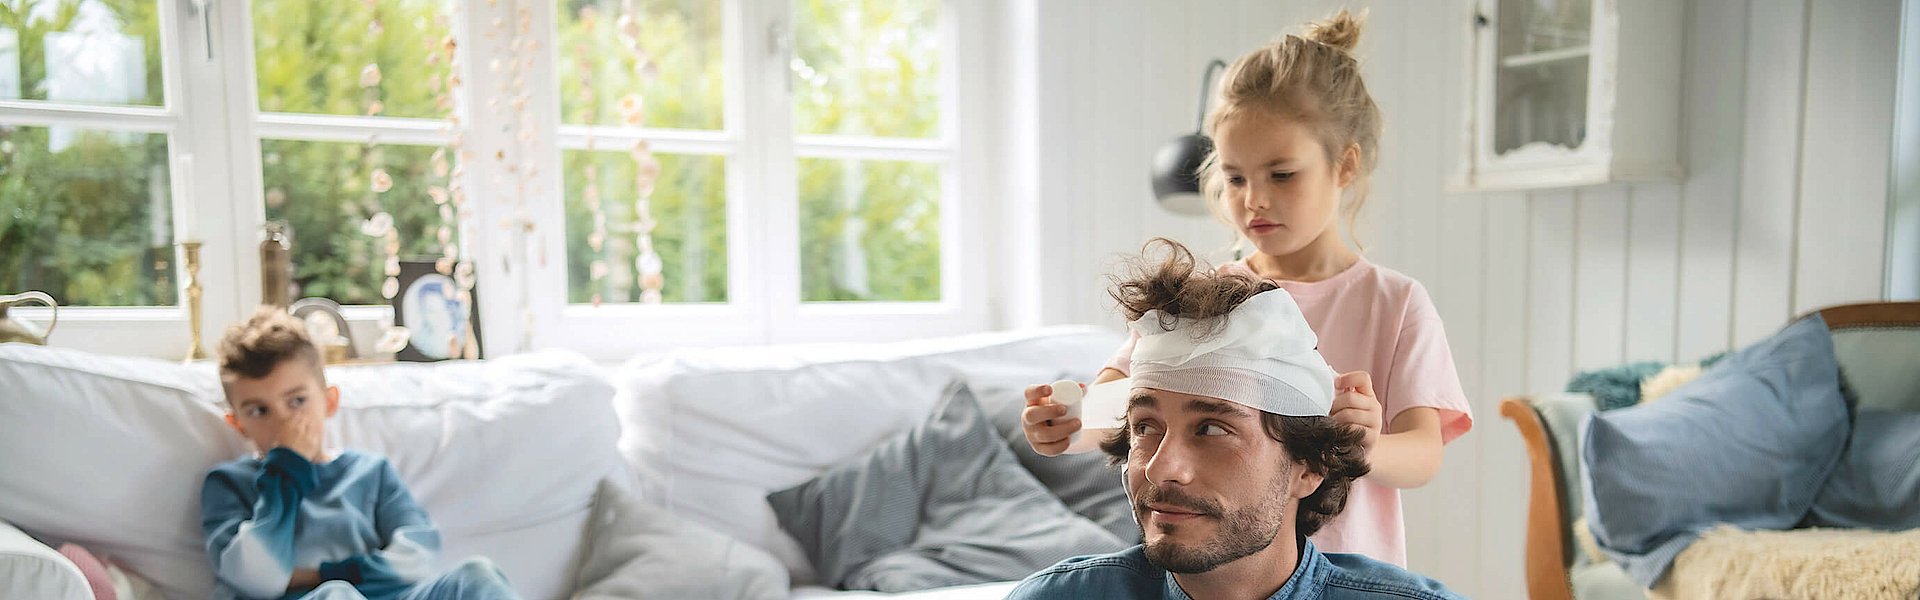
(1342,30)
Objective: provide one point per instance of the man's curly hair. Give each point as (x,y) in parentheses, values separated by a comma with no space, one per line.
(1180,286)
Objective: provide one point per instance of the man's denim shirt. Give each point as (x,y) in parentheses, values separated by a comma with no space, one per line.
(1127,575)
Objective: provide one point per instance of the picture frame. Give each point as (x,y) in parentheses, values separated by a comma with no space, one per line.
(438,326)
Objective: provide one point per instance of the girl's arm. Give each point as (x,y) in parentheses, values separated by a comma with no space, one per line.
(1410,456)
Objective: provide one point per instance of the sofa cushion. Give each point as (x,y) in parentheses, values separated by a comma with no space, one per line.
(1748,443)
(634,551)
(1877,484)
(128,442)
(712,431)
(1877,364)
(940,505)
(1084,482)
(30,569)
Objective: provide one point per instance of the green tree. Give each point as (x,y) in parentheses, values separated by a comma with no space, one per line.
(85,219)
(81,220)
(309,56)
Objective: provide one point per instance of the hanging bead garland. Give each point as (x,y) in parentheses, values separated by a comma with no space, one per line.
(646,166)
(590,191)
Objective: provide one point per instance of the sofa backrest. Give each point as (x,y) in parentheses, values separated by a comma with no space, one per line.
(110,453)
(711,432)
(1878,348)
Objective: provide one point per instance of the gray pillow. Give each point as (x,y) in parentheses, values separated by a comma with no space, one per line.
(943,504)
(1083,482)
(1877,485)
(633,550)
(1748,443)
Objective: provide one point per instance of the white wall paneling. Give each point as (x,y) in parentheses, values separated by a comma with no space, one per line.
(1786,109)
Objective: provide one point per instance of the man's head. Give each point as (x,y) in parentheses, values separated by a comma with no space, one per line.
(273,379)
(1212,479)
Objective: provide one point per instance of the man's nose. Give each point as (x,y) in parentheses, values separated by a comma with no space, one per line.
(1172,462)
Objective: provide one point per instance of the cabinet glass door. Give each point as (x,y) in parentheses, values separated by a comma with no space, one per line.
(1540,81)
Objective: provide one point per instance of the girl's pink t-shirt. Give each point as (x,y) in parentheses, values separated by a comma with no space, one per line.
(1374,319)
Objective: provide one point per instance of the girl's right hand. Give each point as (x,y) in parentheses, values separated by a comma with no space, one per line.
(1047,431)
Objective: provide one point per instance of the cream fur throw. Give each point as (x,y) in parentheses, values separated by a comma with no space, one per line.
(1652,388)
(1729,563)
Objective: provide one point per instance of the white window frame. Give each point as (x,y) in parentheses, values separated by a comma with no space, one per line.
(215,129)
(191,118)
(762,152)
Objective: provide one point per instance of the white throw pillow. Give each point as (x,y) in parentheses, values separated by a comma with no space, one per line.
(712,431)
(110,453)
(30,569)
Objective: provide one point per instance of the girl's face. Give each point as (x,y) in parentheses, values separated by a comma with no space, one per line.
(1281,191)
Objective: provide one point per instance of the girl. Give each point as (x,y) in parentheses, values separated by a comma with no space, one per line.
(1295,138)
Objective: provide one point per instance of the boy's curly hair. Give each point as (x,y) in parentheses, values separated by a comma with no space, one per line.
(1182,287)
(253,348)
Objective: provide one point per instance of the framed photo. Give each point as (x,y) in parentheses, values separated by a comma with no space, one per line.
(439,326)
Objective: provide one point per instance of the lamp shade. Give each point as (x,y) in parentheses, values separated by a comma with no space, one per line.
(1176,167)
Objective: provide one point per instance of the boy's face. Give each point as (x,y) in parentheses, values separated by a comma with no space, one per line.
(267,410)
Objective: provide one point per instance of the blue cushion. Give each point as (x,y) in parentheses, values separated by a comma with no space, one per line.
(1750,443)
(1877,485)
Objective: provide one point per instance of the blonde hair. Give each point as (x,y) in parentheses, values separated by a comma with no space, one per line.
(1312,78)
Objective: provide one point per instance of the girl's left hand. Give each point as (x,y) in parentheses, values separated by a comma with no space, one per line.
(1354,404)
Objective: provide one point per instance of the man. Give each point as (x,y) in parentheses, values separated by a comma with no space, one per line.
(1231,458)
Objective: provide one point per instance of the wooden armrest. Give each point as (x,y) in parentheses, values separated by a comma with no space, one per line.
(1873,314)
(1547,549)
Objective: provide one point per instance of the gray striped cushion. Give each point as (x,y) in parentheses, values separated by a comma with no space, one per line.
(943,504)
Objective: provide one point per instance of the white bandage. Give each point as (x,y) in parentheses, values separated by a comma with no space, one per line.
(1261,355)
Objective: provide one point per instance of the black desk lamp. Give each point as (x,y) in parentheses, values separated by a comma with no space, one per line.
(1176,182)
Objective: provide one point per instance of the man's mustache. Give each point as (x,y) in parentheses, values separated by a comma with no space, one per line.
(1175,498)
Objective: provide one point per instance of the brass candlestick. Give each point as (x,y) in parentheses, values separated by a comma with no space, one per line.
(190,255)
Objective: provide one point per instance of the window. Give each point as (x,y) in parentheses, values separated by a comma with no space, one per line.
(351,99)
(696,171)
(85,144)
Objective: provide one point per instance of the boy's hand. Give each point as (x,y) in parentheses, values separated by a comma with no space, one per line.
(303,436)
(1046,431)
(1354,404)
(303,579)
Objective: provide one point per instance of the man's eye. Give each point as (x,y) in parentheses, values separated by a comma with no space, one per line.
(1145,429)
(1282,176)
(1236,180)
(256,412)
(1212,429)
(299,400)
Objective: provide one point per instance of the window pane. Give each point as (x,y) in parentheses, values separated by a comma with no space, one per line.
(689,207)
(312,56)
(325,192)
(867,67)
(676,73)
(87,51)
(87,216)
(869,230)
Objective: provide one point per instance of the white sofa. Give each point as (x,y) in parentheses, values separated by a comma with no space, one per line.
(108,452)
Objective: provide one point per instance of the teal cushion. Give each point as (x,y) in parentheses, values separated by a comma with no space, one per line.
(1561,415)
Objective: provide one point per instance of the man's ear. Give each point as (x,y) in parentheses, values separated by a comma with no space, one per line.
(333,400)
(1305,481)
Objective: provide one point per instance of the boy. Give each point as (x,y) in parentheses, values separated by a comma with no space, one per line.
(298,522)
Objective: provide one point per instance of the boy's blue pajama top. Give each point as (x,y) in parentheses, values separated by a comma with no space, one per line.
(350,518)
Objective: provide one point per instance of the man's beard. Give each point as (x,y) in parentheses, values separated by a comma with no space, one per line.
(1240,533)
